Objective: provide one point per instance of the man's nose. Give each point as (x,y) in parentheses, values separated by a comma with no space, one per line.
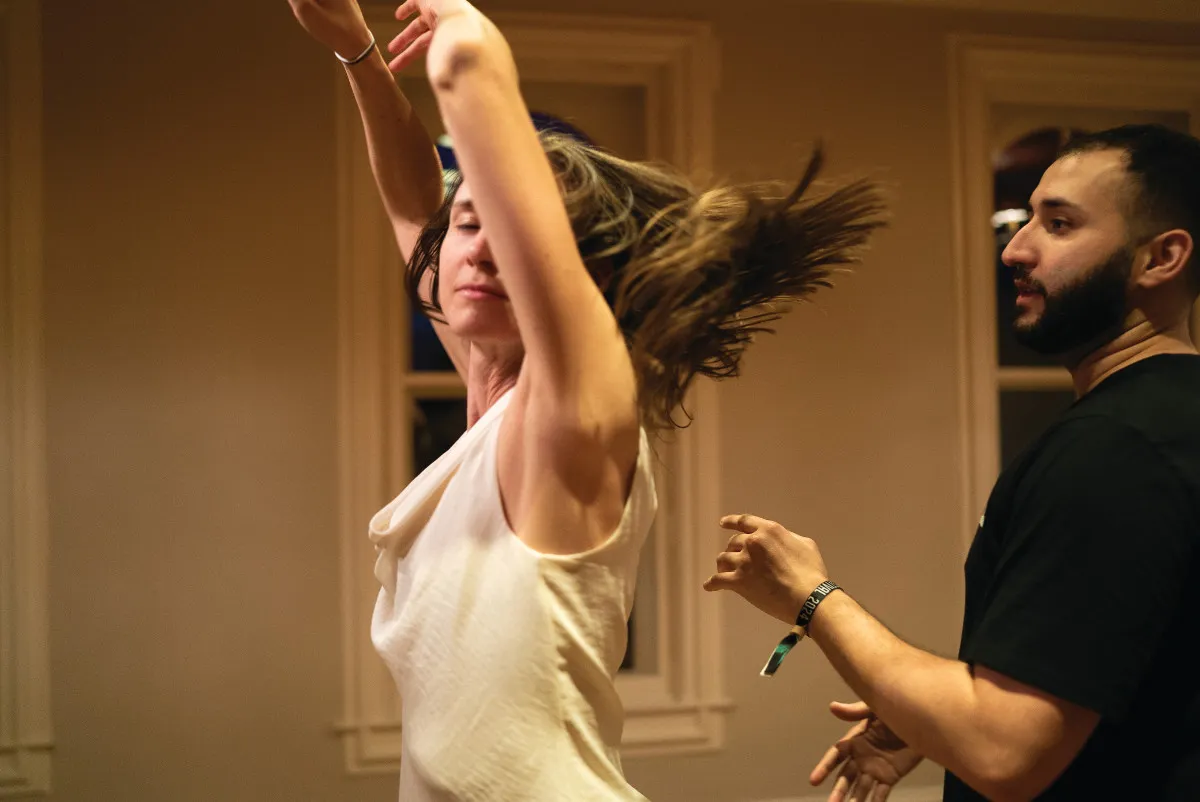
(1017,252)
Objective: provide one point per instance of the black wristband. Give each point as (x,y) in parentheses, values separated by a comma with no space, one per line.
(810,604)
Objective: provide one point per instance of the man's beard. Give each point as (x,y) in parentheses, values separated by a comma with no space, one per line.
(1090,310)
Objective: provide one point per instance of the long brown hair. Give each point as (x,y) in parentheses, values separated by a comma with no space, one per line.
(691,275)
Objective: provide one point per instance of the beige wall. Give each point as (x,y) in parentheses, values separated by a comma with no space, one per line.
(191,353)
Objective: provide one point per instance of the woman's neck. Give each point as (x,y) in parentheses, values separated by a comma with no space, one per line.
(491,372)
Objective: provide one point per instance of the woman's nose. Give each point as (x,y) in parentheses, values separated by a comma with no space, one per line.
(480,253)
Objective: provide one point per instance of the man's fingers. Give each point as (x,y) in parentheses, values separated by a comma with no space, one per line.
(831,760)
(863,787)
(850,711)
(857,729)
(406,9)
(743,523)
(737,542)
(881,792)
(721,581)
(730,561)
(840,787)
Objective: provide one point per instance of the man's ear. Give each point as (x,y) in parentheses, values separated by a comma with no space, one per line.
(1169,254)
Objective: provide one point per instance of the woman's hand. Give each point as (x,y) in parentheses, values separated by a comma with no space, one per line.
(337,24)
(414,39)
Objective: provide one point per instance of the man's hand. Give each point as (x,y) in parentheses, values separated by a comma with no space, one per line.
(872,758)
(768,566)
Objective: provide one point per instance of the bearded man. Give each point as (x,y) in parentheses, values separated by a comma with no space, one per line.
(1078,675)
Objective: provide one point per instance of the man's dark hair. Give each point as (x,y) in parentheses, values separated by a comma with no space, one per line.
(1164,171)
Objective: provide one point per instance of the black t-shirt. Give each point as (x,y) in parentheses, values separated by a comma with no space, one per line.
(1084,581)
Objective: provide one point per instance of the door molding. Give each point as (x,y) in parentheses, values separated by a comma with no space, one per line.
(25,726)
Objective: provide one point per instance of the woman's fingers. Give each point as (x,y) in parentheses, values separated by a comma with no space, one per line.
(411,53)
(408,37)
(407,9)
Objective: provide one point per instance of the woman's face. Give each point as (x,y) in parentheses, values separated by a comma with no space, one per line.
(470,291)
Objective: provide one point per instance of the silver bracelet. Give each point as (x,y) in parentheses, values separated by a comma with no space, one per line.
(360,56)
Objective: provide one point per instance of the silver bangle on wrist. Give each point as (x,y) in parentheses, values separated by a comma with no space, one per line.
(359,57)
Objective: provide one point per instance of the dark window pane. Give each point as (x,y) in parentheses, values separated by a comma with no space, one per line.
(642,653)
(427,351)
(437,424)
(1025,414)
(627,661)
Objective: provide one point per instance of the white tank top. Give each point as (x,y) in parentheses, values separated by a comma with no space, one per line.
(504,657)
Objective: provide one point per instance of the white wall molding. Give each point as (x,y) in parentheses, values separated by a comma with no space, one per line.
(985,72)
(25,726)
(680,707)
(1141,10)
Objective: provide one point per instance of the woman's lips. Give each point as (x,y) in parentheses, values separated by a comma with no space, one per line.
(479,291)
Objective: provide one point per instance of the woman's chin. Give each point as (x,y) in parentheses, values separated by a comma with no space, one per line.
(482,331)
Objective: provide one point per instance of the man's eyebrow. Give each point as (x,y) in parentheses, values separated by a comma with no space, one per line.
(1059,203)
